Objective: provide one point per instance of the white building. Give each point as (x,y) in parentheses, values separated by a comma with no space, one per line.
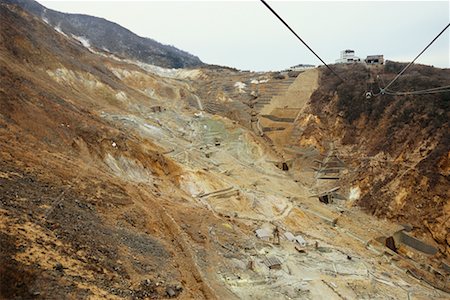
(348,57)
(301,67)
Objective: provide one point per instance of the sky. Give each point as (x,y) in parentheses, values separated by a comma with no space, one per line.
(247,36)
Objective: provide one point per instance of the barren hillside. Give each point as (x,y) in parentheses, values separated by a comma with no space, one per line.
(109,37)
(120,179)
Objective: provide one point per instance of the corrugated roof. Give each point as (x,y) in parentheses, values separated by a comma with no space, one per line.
(272,261)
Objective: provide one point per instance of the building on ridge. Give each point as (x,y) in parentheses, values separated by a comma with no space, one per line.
(301,67)
(348,57)
(374,59)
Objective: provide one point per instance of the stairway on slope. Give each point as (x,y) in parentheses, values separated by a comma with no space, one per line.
(271,89)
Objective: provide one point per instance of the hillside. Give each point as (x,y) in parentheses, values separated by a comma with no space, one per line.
(122,180)
(76,222)
(111,37)
(398,145)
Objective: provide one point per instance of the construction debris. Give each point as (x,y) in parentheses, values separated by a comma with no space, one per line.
(300,249)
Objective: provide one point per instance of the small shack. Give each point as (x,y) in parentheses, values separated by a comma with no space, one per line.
(272,263)
(298,238)
(156,108)
(374,59)
(264,234)
(329,196)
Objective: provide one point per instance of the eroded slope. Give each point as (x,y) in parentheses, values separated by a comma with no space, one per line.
(114,184)
(397,145)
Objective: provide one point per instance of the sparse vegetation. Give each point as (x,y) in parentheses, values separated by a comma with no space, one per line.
(118,180)
(412,129)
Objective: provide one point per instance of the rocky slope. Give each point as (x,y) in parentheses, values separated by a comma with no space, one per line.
(397,145)
(111,37)
(120,179)
(69,225)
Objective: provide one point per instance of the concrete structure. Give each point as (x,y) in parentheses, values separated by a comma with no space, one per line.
(374,59)
(289,236)
(301,67)
(299,239)
(402,238)
(348,57)
(264,234)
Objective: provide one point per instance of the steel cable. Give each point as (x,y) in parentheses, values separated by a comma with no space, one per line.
(299,38)
(406,68)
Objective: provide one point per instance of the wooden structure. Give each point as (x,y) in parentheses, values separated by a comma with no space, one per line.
(329,196)
(156,109)
(272,263)
(330,167)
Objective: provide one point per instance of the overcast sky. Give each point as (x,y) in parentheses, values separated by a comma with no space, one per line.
(245,35)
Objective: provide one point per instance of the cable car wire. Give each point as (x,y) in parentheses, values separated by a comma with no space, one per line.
(384,90)
(436,90)
(406,68)
(389,92)
(299,38)
(422,91)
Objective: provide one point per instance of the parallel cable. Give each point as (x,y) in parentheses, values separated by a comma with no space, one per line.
(299,38)
(405,68)
(422,91)
(436,90)
(388,92)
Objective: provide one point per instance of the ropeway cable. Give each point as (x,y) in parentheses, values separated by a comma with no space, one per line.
(405,68)
(427,90)
(388,92)
(299,38)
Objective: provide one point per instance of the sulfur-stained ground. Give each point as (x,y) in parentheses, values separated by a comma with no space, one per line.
(104,197)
